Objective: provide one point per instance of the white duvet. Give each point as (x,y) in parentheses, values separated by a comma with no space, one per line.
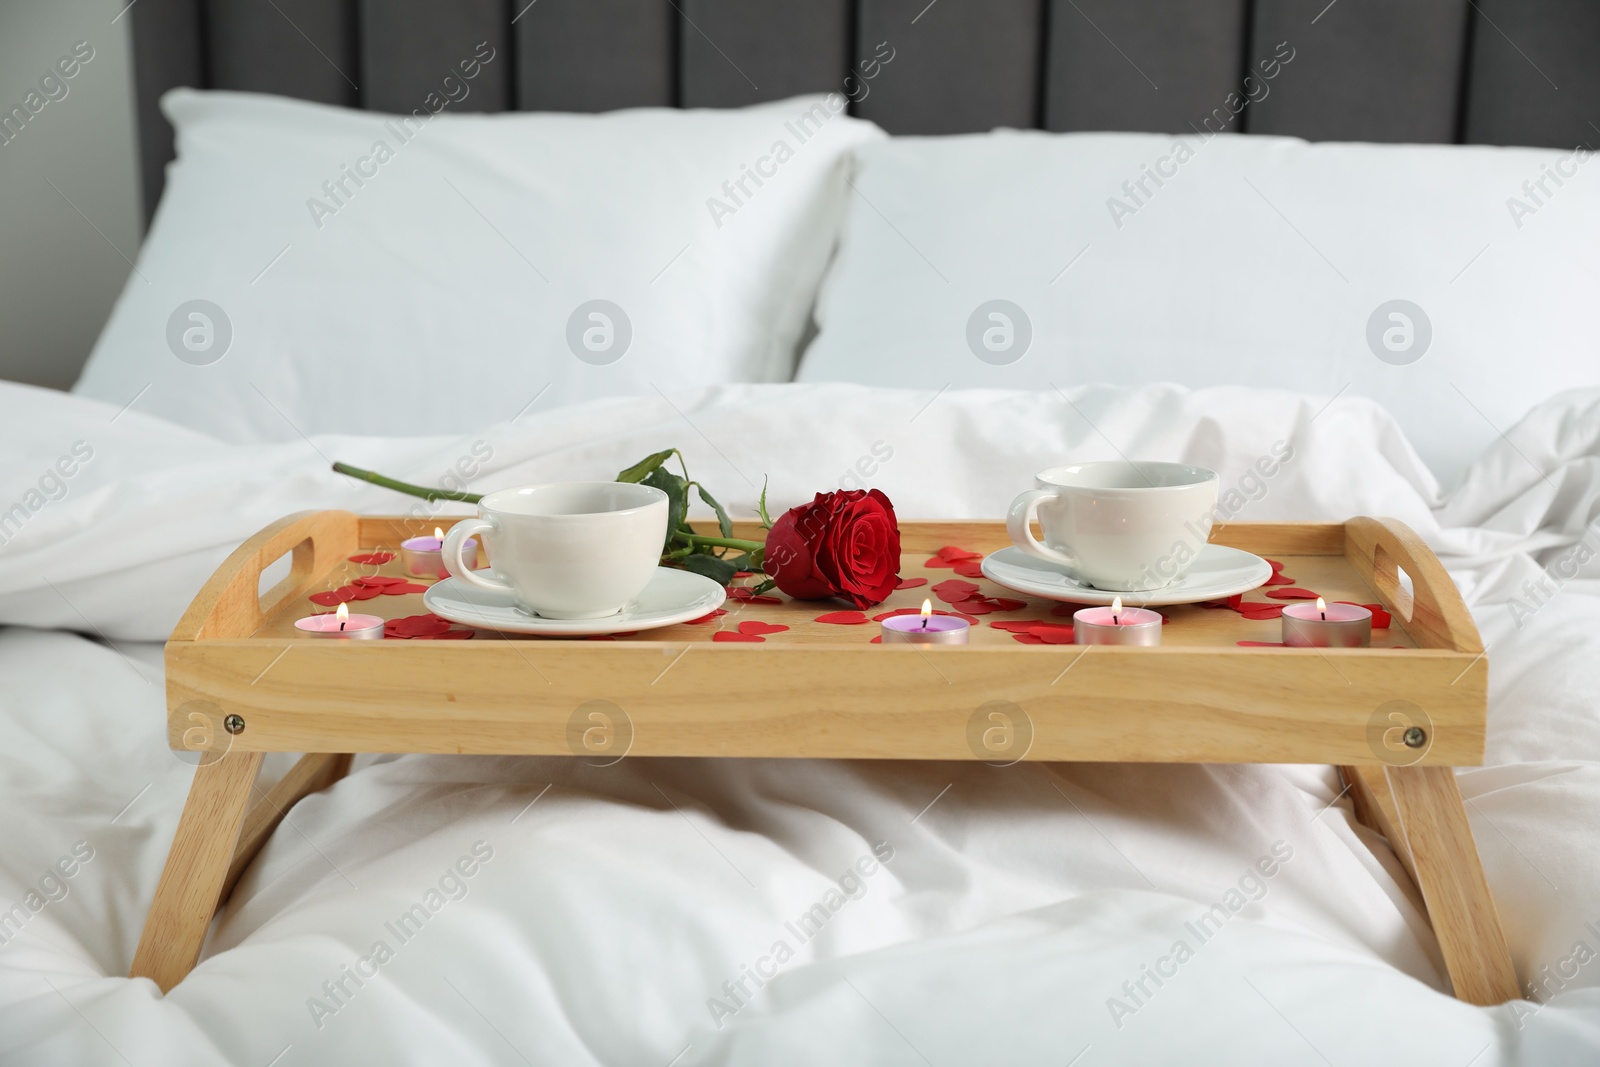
(504,911)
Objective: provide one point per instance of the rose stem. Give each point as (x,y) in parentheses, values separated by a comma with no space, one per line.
(405,487)
(721,542)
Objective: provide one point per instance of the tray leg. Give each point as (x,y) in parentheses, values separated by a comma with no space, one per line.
(1374,804)
(191,882)
(1433,831)
(312,773)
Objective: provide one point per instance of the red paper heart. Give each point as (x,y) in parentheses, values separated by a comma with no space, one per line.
(455,635)
(1017,626)
(953,589)
(372,557)
(1028,639)
(1279,579)
(1002,603)
(976,605)
(952,553)
(1293,592)
(403,588)
(1054,635)
(911,583)
(756,628)
(327,598)
(739,592)
(733,635)
(876,640)
(843,618)
(1261,614)
(938,563)
(1260,644)
(707,617)
(969,568)
(364,592)
(1275,565)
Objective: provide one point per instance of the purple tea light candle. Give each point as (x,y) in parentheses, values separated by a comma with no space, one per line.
(422,556)
(925,628)
(1116,625)
(342,625)
(1324,625)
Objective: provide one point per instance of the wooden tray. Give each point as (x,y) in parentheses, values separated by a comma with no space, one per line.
(821,690)
(241,681)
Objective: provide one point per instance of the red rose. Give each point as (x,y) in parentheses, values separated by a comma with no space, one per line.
(844,544)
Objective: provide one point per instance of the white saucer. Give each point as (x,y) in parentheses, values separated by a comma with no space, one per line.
(1218,572)
(672,596)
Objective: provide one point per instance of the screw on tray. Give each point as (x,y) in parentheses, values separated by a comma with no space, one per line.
(234,724)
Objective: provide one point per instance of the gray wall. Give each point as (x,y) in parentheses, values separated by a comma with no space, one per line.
(58,275)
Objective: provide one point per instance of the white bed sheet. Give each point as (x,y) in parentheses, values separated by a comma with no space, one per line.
(618,902)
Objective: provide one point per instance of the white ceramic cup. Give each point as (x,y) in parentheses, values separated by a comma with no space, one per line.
(1120,526)
(567,550)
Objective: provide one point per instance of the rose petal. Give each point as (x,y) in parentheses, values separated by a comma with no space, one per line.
(734,635)
(911,583)
(843,618)
(755,628)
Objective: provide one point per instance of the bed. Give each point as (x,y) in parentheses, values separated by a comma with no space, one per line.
(631,913)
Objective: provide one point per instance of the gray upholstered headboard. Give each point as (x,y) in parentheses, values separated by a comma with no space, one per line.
(1483,71)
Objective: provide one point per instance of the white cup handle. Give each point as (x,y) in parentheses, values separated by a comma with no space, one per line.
(450,555)
(1018,525)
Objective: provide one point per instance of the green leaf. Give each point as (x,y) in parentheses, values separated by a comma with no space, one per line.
(718,570)
(677,500)
(645,467)
(761,506)
(724,523)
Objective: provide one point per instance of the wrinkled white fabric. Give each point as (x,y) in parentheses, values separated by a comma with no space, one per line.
(612,914)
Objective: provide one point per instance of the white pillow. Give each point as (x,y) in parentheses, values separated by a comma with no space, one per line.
(437,288)
(1251,260)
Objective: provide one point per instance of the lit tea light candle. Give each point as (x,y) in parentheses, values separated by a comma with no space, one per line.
(1324,625)
(421,556)
(925,628)
(1116,625)
(342,624)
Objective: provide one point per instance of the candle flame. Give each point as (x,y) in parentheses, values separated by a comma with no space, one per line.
(343,614)
(927,608)
(1116,605)
(1322,609)
(438,533)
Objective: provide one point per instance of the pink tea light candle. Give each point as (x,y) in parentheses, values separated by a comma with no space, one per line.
(1324,625)
(925,628)
(1116,625)
(342,625)
(422,557)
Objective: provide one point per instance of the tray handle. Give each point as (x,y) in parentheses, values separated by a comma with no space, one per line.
(230,604)
(1433,611)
